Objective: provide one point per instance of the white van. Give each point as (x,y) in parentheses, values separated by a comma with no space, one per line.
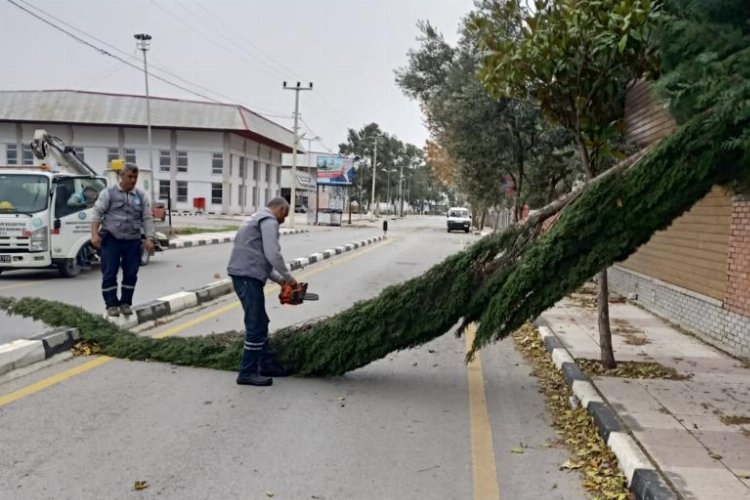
(459,218)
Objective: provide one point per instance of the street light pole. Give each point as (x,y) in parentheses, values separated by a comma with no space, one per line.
(374,172)
(292,201)
(144,43)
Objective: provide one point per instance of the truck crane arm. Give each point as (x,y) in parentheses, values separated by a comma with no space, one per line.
(43,145)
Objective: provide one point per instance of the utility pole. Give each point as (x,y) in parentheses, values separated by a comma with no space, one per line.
(374,138)
(401,189)
(144,43)
(374,171)
(292,200)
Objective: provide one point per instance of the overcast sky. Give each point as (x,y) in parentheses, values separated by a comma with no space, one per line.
(242,50)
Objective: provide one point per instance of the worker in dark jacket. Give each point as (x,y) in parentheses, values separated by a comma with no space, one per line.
(122,215)
(256,256)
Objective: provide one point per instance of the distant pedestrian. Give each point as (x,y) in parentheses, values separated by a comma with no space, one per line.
(256,256)
(122,216)
(385,228)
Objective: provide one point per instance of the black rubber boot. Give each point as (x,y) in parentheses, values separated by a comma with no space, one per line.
(255,379)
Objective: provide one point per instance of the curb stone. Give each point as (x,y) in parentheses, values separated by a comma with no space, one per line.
(24,352)
(224,239)
(170,304)
(645,481)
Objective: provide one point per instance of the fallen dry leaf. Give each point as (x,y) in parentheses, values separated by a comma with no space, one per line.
(572,465)
(140,485)
(574,427)
(735,419)
(517,449)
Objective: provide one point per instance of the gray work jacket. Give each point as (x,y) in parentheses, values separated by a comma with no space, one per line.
(257,252)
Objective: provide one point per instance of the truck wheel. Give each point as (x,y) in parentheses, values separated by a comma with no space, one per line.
(145,257)
(69,268)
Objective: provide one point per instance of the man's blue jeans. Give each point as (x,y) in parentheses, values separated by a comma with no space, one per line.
(250,293)
(118,253)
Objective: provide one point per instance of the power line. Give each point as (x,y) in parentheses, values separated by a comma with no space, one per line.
(271,70)
(285,69)
(208,37)
(324,104)
(107,53)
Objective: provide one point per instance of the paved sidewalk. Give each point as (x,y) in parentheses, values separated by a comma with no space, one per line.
(687,427)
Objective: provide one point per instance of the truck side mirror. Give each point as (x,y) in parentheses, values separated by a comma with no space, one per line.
(56,224)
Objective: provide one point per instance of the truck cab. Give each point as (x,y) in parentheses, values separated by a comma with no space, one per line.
(45,218)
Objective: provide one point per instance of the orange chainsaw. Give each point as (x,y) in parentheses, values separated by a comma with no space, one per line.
(295,295)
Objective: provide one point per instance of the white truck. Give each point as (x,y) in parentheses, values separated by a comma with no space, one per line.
(45,216)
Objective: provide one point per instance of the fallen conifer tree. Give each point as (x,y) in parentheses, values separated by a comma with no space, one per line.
(504,279)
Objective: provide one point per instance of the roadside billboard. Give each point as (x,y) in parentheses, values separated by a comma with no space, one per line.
(335,170)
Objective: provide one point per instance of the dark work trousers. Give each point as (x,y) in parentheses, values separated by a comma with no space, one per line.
(250,293)
(118,253)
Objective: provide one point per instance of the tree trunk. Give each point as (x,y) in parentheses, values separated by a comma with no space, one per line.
(605,333)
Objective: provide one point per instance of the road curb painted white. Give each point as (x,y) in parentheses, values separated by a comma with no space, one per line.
(25,352)
(216,240)
(645,480)
(171,304)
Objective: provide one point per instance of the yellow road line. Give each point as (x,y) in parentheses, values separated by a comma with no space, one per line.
(90,365)
(54,379)
(482,450)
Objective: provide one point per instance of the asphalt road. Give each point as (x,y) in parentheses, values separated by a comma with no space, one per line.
(416,424)
(168,272)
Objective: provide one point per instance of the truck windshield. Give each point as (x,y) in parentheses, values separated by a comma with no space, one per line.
(23,193)
(459,213)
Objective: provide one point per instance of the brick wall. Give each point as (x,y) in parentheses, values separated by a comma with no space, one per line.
(701,315)
(696,273)
(738,259)
(692,251)
(646,119)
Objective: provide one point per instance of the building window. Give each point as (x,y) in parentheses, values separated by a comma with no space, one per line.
(164,189)
(268,196)
(165,161)
(256,171)
(182,161)
(243,161)
(255,196)
(11,154)
(217,164)
(112,154)
(130,156)
(243,195)
(28,156)
(217,193)
(278,193)
(278,176)
(268,173)
(182,191)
